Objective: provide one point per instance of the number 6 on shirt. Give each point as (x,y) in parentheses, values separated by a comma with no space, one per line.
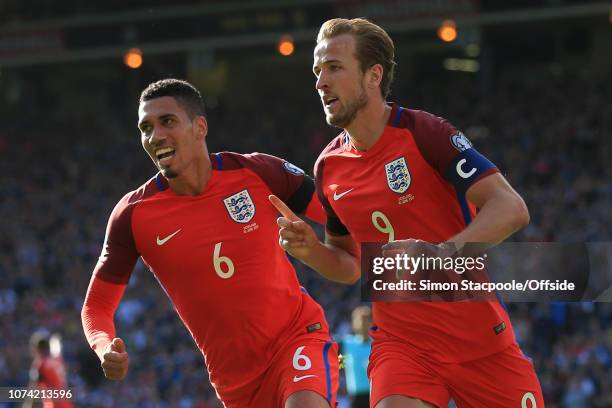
(219,260)
(298,357)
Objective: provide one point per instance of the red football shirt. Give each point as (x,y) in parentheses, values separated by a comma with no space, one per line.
(412,184)
(51,374)
(217,257)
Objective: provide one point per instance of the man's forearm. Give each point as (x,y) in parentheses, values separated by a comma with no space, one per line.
(97,314)
(499,218)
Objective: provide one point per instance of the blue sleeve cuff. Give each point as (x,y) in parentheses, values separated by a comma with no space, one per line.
(466,168)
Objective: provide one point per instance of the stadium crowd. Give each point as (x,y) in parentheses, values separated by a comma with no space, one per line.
(70,150)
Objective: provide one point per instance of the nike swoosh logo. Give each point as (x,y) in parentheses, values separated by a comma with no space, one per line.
(339,196)
(296,378)
(161,242)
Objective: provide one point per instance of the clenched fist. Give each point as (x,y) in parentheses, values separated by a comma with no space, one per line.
(115,360)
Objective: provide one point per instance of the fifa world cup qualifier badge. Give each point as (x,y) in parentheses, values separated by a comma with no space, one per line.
(460,142)
(292,168)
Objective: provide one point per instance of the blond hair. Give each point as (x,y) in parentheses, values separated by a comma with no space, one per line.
(373,45)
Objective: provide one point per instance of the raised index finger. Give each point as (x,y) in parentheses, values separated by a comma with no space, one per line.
(282,208)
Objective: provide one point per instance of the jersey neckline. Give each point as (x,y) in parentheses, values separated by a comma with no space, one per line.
(382,141)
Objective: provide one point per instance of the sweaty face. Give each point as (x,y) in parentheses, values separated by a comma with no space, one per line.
(340,81)
(169,136)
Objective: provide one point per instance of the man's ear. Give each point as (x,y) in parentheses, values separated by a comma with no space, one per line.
(201,127)
(375,74)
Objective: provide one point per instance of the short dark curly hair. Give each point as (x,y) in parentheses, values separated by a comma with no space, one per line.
(185,94)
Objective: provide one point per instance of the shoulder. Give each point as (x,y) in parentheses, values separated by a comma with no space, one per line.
(421,122)
(227,160)
(336,146)
(236,161)
(154,185)
(437,139)
(265,165)
(151,187)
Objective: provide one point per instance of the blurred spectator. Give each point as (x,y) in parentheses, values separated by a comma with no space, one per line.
(356,351)
(48,370)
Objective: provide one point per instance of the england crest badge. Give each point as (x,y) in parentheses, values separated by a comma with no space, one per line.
(240,206)
(398,175)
